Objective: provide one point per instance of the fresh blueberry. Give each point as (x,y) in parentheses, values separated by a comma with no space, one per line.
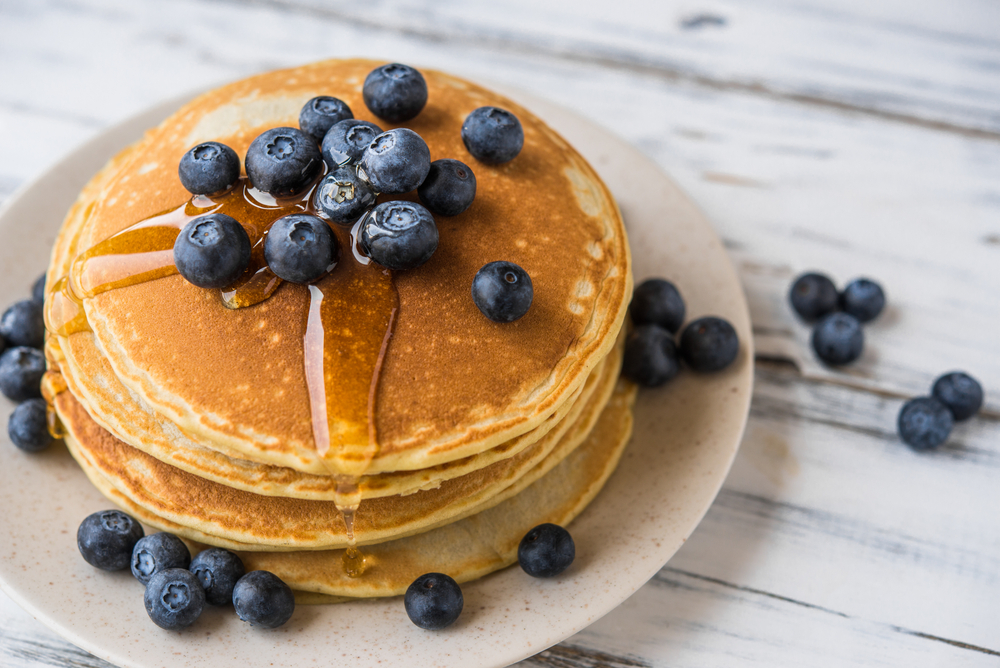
(709,344)
(396,161)
(301,248)
(546,551)
(813,296)
(218,571)
(347,140)
(158,552)
(174,599)
(399,235)
(262,599)
(21,371)
(395,92)
(320,113)
(106,539)
(283,161)
(492,135)
(449,188)
(28,426)
(924,423)
(209,168)
(656,301)
(838,339)
(23,324)
(502,291)
(344,196)
(651,358)
(863,298)
(38,290)
(960,392)
(433,601)
(212,251)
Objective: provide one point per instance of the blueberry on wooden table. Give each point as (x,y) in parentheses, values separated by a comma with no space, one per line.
(262,599)
(320,114)
(960,392)
(218,571)
(924,423)
(106,539)
(344,196)
(709,344)
(546,551)
(651,358)
(395,92)
(399,235)
(837,339)
(433,601)
(449,189)
(863,298)
(657,301)
(23,324)
(396,161)
(813,295)
(347,140)
(492,135)
(174,599)
(212,251)
(28,426)
(283,161)
(38,290)
(502,291)
(301,248)
(158,552)
(209,167)
(21,371)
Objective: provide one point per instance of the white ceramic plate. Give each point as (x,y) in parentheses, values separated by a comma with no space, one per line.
(686,436)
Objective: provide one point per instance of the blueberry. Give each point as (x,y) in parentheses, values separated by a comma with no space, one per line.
(546,551)
(209,168)
(492,135)
(320,113)
(924,423)
(174,599)
(399,235)
(106,539)
(709,344)
(21,371)
(23,324)
(301,248)
(395,92)
(449,188)
(960,392)
(283,161)
(28,426)
(212,251)
(158,552)
(651,357)
(838,339)
(863,298)
(347,140)
(813,296)
(218,571)
(262,599)
(344,196)
(656,301)
(396,161)
(433,601)
(38,290)
(502,291)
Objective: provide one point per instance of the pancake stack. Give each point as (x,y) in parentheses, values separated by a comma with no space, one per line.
(379,409)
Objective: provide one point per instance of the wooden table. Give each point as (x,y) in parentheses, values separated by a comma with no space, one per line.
(854,137)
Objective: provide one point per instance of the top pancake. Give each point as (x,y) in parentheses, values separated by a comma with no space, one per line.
(453,383)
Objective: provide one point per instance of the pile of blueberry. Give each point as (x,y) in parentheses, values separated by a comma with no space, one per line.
(22,365)
(837,337)
(360,162)
(926,422)
(651,356)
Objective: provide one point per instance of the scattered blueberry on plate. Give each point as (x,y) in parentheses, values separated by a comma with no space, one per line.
(21,371)
(863,298)
(492,135)
(838,339)
(449,189)
(301,248)
(924,423)
(399,235)
(344,196)
(502,291)
(709,344)
(174,599)
(28,426)
(320,114)
(283,161)
(813,295)
(347,140)
(23,324)
(651,358)
(158,552)
(218,571)
(396,161)
(209,167)
(546,551)
(212,251)
(433,601)
(960,392)
(657,301)
(106,539)
(395,92)
(262,599)
(38,290)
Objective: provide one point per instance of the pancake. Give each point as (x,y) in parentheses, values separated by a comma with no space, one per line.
(452,383)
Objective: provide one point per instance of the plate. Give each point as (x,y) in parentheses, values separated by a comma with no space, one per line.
(686,436)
